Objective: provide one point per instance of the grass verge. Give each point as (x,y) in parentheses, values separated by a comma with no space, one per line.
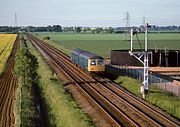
(62,109)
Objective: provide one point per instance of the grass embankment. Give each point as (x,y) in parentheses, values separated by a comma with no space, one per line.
(166,101)
(62,109)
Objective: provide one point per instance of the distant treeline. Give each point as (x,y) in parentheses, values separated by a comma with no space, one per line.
(58,28)
(8,29)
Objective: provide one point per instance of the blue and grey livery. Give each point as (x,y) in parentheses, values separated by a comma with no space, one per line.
(90,62)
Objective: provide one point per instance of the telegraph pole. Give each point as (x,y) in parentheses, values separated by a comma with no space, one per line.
(139,56)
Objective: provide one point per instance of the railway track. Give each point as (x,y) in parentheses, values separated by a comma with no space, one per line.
(150,110)
(122,108)
(58,69)
(8,85)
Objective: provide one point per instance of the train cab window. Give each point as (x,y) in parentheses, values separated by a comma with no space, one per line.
(100,62)
(93,62)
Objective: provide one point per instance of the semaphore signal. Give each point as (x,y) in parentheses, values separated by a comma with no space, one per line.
(139,55)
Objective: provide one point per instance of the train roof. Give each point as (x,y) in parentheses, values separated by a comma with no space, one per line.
(86,54)
(90,55)
(76,50)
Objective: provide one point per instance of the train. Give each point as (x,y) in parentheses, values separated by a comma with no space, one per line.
(89,62)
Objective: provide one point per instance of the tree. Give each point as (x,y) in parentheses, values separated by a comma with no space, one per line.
(84,30)
(56,28)
(78,29)
(93,31)
(49,28)
(68,29)
(98,30)
(110,30)
(88,29)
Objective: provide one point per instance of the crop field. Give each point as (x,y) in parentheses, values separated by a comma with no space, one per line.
(6,45)
(102,44)
(8,81)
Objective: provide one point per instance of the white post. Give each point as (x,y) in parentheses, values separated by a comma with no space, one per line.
(146,72)
(146,37)
(138,55)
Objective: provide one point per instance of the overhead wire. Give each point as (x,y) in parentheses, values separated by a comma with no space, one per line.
(104,21)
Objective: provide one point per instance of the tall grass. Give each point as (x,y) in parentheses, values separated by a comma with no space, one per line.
(166,101)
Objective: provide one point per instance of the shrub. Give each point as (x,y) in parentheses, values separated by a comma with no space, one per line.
(46,38)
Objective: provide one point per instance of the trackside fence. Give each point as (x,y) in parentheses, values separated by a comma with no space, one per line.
(159,82)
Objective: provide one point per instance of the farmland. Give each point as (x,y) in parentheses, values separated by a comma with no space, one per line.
(8,84)
(102,44)
(6,45)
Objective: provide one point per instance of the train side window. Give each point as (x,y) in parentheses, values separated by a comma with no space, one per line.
(93,62)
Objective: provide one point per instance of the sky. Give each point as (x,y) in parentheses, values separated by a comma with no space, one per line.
(90,13)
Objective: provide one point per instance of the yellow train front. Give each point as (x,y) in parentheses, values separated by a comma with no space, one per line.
(89,62)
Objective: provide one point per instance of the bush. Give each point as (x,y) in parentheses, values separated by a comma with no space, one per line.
(26,68)
(46,38)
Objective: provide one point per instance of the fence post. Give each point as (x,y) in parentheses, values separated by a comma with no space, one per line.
(165,87)
(156,81)
(150,79)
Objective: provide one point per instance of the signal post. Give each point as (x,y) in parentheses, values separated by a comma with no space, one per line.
(139,56)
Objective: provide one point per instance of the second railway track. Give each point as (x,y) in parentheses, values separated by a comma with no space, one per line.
(123,108)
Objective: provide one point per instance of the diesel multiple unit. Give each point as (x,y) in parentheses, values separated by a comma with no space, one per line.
(88,61)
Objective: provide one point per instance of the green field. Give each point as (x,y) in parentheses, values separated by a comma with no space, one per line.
(102,44)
